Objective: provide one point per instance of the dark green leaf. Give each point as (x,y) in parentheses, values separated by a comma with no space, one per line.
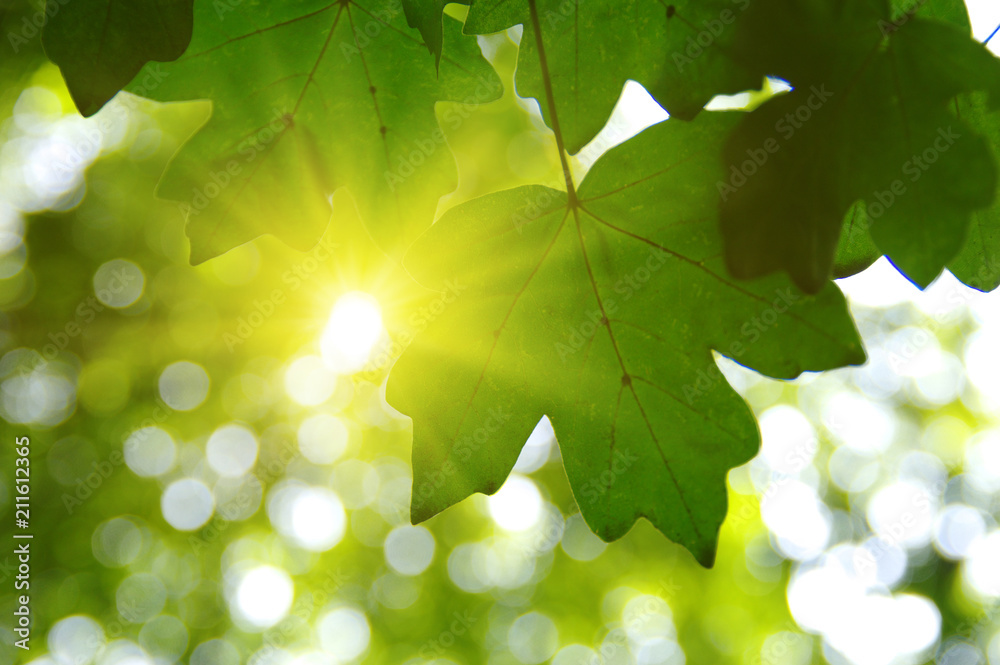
(978,262)
(869,120)
(426,16)
(100,45)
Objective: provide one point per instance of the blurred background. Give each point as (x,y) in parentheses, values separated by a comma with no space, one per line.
(218,480)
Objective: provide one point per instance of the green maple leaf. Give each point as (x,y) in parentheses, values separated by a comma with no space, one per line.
(308,97)
(869,120)
(601,309)
(100,45)
(678,51)
(978,262)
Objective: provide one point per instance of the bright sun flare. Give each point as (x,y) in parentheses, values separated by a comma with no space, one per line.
(353,331)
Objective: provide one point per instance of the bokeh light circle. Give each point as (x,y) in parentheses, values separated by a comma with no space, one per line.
(183,385)
(119,283)
(344,633)
(187,504)
(264,595)
(231,451)
(409,549)
(150,451)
